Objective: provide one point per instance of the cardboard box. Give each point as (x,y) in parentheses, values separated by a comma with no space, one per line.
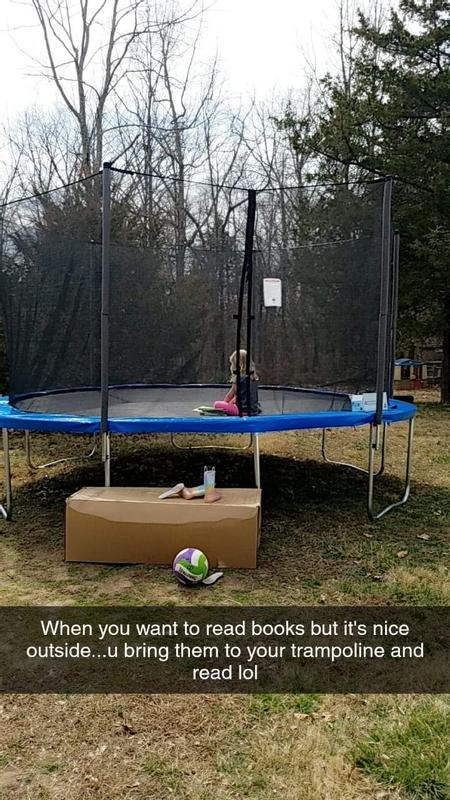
(132,526)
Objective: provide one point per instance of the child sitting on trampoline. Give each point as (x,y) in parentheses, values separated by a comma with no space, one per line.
(248,390)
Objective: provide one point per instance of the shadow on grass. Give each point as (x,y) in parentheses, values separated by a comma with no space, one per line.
(311,510)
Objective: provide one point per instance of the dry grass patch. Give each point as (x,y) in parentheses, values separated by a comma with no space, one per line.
(191,747)
(313,517)
(419,585)
(317,547)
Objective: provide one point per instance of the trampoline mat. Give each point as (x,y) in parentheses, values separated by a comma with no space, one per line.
(177,401)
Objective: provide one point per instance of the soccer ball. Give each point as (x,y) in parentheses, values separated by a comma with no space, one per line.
(190,566)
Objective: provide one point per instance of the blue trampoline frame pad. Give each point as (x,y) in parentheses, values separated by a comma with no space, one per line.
(169,414)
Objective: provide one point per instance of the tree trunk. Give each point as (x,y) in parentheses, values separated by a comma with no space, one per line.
(180,211)
(445,384)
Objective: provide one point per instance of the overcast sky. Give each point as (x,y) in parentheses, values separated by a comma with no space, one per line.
(262,43)
(261,46)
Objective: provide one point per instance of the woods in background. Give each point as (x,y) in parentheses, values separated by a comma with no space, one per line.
(132,88)
(388,112)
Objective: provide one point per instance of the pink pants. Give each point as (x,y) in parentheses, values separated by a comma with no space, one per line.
(229,408)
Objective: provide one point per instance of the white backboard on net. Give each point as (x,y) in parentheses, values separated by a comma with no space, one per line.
(272,292)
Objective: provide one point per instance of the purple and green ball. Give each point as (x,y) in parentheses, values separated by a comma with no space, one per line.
(190,566)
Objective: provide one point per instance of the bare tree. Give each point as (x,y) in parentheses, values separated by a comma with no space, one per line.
(49,149)
(181,137)
(274,166)
(10,168)
(86,49)
(185,129)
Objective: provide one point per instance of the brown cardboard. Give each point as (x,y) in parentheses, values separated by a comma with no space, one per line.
(118,525)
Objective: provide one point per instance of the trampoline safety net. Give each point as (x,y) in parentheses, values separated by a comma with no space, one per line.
(179,284)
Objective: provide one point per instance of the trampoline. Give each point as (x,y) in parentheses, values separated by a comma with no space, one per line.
(88,356)
(171,409)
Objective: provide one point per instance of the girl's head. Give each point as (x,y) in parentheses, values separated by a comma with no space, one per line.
(242,365)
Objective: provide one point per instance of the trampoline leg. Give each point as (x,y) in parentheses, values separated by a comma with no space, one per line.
(256,460)
(355,466)
(106,457)
(407,484)
(6,509)
(33,466)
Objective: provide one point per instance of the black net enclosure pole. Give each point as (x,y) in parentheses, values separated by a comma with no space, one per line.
(395,284)
(248,252)
(249,244)
(105,295)
(388,361)
(238,318)
(383,317)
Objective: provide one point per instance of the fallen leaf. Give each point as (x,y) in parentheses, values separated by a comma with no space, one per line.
(402,553)
(425,536)
(127,730)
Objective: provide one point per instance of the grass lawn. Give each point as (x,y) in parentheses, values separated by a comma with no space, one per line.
(318,547)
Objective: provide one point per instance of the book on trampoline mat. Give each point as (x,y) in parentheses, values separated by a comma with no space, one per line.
(210,411)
